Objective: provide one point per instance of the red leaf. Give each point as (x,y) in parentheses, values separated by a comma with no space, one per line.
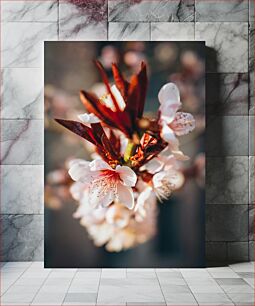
(107,84)
(120,82)
(79,129)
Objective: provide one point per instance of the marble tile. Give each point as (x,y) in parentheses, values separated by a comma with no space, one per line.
(23,10)
(22,237)
(251,135)
(242,267)
(227,42)
(222,272)
(252,186)
(227,223)
(128,31)
(216,251)
(180,299)
(227,135)
(81,297)
(251,250)
(113,273)
(251,68)
(227,180)
(112,294)
(172,31)
(151,10)
(22,93)
(23,43)
(251,222)
(251,93)
(238,251)
(81,21)
(213,299)
(44,298)
(251,10)
(22,189)
(227,93)
(242,298)
(234,10)
(22,142)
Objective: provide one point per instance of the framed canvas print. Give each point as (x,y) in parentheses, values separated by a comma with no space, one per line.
(124,154)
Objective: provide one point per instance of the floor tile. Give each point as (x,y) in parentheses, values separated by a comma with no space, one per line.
(213,299)
(81,297)
(180,299)
(242,299)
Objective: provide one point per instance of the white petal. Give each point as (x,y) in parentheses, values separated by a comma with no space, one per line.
(183,123)
(127,175)
(77,190)
(143,197)
(157,179)
(80,171)
(154,165)
(169,98)
(169,93)
(179,155)
(125,196)
(100,196)
(88,118)
(99,164)
(168,135)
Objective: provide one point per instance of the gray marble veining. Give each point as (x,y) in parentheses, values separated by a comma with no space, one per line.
(251,222)
(228,180)
(22,142)
(227,93)
(227,223)
(251,180)
(22,10)
(22,189)
(251,135)
(251,68)
(172,31)
(151,10)
(229,45)
(22,237)
(213,10)
(23,43)
(128,31)
(22,93)
(76,23)
(219,140)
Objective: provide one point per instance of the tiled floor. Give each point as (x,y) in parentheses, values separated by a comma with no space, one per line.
(28,283)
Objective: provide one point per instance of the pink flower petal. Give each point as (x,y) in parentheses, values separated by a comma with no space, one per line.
(79,171)
(169,136)
(169,98)
(98,165)
(125,196)
(127,175)
(101,195)
(183,123)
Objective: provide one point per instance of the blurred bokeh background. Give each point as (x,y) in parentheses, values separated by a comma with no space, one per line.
(69,68)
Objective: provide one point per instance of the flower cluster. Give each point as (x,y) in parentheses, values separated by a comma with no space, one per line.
(136,160)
